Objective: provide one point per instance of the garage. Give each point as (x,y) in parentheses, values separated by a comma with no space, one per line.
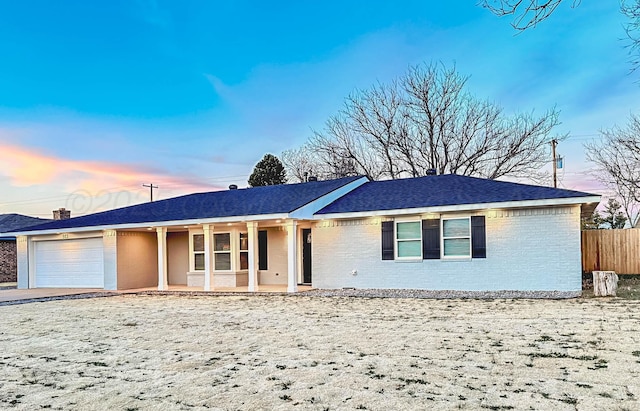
(76,263)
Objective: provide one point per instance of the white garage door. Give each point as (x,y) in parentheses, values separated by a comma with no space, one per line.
(69,263)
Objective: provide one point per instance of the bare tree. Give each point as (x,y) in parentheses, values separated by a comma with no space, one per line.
(617,160)
(528,13)
(631,9)
(304,162)
(428,120)
(458,133)
(299,163)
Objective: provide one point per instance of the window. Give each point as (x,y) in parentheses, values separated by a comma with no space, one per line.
(434,239)
(408,239)
(456,237)
(244,251)
(222,251)
(198,252)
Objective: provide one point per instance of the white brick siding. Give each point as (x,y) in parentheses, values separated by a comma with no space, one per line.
(527,250)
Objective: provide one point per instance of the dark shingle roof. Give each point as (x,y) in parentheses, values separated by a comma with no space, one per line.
(242,202)
(14,222)
(442,190)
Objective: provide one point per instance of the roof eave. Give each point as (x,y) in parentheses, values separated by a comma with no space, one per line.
(148,224)
(464,207)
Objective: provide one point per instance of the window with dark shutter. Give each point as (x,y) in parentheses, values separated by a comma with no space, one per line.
(262,250)
(430,239)
(478,237)
(387,240)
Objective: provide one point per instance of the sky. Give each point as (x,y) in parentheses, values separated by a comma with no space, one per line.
(98,98)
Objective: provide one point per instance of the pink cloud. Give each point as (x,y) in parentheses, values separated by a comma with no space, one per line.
(28,167)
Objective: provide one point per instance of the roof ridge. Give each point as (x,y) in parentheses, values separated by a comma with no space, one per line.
(443,190)
(462,176)
(351,180)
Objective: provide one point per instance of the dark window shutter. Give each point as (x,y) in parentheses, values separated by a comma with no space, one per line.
(262,250)
(387,240)
(430,239)
(478,237)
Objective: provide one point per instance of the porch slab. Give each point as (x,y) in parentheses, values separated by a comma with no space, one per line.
(183,288)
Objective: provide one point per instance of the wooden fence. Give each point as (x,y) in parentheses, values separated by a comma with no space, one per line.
(611,250)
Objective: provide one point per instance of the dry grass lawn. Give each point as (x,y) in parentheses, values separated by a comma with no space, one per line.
(277,352)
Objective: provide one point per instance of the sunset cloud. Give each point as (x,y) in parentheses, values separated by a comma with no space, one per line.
(28,167)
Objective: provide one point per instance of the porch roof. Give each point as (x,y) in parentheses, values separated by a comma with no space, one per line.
(279,199)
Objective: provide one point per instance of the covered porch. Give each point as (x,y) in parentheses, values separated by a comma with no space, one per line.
(228,256)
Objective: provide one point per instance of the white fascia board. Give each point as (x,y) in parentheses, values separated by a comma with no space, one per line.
(307,210)
(463,207)
(174,223)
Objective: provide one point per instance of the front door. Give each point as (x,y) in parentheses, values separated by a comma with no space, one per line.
(306,255)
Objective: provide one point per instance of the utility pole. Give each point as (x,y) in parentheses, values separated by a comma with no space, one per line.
(151,187)
(554,142)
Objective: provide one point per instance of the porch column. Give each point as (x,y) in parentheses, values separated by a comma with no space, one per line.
(252,230)
(22,250)
(110,258)
(162,258)
(207,257)
(292,256)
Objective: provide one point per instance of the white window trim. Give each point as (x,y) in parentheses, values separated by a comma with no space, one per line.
(442,238)
(396,240)
(192,252)
(229,251)
(240,250)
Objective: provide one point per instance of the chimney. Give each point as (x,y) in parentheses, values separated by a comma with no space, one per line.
(61,214)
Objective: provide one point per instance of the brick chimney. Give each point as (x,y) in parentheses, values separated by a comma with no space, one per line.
(61,214)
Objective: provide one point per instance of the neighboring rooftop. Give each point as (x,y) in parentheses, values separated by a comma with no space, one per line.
(276,199)
(14,222)
(441,190)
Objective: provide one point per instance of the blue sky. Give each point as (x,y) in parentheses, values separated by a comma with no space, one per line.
(97,98)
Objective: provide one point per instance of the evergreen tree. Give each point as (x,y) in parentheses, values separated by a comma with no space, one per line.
(613,216)
(593,222)
(268,172)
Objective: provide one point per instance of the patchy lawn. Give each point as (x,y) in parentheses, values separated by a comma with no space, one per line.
(168,352)
(628,287)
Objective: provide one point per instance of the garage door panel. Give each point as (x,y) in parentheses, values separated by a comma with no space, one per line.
(76,263)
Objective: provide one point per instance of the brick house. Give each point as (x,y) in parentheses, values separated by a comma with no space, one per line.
(445,232)
(8,257)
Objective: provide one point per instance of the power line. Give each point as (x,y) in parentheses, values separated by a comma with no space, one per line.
(111,189)
(572,136)
(33,200)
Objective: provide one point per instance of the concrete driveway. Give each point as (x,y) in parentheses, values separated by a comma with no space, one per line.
(38,293)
